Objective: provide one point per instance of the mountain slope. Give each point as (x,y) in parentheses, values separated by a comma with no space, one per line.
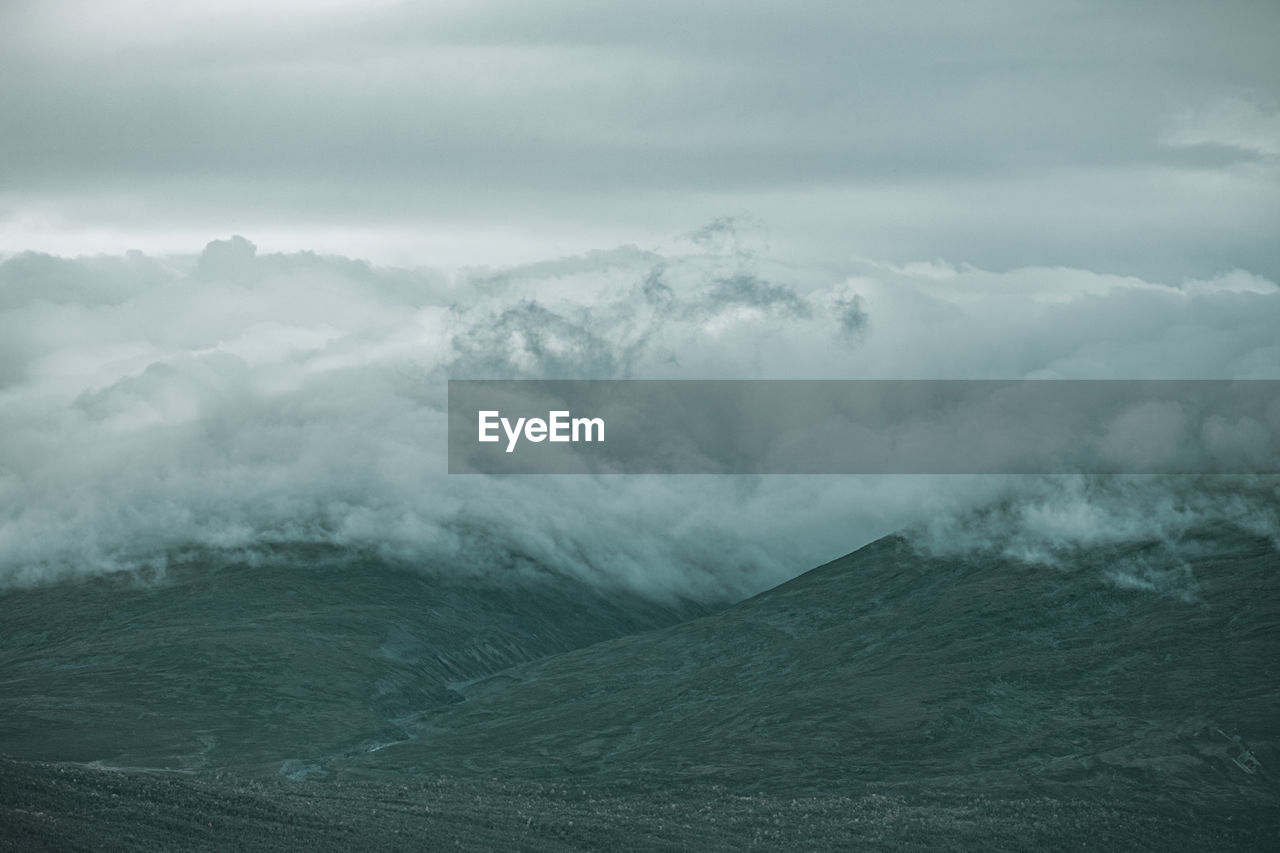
(269,667)
(1126,668)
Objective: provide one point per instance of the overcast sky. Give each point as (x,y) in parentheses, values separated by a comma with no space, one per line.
(1137,138)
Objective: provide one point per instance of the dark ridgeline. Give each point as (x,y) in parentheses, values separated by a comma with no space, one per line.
(1125,699)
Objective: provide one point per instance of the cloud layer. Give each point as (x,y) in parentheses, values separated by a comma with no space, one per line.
(235,400)
(1132,137)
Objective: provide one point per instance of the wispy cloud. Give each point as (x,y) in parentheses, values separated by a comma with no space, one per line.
(1234,123)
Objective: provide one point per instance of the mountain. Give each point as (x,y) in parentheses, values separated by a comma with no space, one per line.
(1144,667)
(264,666)
(1123,698)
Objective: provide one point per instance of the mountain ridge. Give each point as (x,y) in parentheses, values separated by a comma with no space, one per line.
(889,665)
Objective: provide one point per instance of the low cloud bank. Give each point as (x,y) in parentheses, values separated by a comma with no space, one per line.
(238,401)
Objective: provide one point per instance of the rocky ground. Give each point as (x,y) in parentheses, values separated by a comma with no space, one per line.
(58,807)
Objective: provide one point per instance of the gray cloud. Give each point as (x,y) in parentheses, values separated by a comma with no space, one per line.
(1005,134)
(244,398)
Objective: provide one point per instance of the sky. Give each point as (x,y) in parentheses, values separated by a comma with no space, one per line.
(1131,138)
(244,245)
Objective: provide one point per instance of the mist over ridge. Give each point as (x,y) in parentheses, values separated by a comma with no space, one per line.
(238,400)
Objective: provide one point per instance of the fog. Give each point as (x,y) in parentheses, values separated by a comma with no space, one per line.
(236,400)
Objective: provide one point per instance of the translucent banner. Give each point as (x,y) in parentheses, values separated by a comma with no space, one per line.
(864,427)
